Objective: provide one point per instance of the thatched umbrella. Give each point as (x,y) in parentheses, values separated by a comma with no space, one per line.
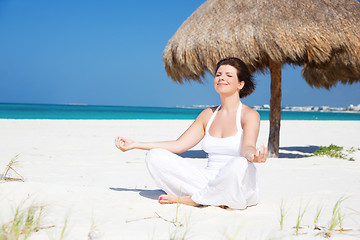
(321,35)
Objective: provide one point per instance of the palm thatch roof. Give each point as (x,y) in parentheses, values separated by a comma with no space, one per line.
(321,35)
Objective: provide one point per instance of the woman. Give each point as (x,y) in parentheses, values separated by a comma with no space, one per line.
(229,133)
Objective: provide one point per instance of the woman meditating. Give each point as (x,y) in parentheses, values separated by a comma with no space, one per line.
(229,133)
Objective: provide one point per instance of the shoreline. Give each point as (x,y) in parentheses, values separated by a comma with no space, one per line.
(355,109)
(114,113)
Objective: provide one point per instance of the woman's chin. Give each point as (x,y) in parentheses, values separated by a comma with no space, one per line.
(224,92)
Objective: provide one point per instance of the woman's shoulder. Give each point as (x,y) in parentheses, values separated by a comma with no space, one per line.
(249,113)
(206,114)
(208,111)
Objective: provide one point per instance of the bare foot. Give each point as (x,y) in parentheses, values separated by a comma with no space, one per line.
(171,199)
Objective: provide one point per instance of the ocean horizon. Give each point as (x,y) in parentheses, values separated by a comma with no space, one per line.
(69,111)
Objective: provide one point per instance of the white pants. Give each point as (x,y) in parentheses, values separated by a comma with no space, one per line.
(233,185)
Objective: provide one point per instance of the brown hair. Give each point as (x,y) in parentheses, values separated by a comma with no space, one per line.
(243,74)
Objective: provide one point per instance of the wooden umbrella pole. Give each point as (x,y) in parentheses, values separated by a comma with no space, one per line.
(275,109)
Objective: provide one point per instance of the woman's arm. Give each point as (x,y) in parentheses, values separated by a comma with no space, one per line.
(187,140)
(250,122)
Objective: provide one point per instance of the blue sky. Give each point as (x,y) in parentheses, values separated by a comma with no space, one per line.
(110,53)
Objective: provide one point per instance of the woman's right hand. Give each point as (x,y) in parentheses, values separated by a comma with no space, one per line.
(124,144)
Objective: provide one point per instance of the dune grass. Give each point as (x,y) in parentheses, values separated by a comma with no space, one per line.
(337,216)
(179,232)
(26,221)
(63,232)
(64,229)
(283,212)
(300,217)
(319,209)
(10,168)
(335,223)
(177,210)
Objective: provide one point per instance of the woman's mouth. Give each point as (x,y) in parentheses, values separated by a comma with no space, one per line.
(221,84)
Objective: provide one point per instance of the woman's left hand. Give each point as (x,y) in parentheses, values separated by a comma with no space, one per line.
(260,155)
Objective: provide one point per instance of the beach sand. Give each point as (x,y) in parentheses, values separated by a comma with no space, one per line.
(73,168)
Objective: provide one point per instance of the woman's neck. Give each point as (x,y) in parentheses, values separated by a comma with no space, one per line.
(230,103)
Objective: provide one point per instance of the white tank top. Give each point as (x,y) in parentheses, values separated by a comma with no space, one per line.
(220,150)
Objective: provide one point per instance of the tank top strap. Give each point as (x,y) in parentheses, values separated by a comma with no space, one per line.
(211,119)
(238,117)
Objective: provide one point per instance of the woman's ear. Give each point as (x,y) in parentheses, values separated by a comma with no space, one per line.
(241,85)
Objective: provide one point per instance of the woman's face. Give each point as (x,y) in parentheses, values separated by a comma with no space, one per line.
(226,80)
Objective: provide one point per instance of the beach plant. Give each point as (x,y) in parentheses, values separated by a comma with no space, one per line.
(64,229)
(175,235)
(283,212)
(178,225)
(351,150)
(24,222)
(177,208)
(354,211)
(317,215)
(335,152)
(300,217)
(331,151)
(337,217)
(181,231)
(93,232)
(10,166)
(63,233)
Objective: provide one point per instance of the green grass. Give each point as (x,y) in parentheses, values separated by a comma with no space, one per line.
(26,220)
(63,232)
(317,216)
(300,217)
(178,225)
(335,223)
(283,212)
(337,217)
(331,151)
(335,151)
(64,229)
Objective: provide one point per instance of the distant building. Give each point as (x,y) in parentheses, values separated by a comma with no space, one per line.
(312,108)
(308,108)
(337,109)
(353,108)
(324,108)
(316,108)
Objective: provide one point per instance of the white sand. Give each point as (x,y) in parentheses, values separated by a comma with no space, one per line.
(73,168)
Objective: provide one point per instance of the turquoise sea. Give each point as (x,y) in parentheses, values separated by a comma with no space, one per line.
(44,111)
